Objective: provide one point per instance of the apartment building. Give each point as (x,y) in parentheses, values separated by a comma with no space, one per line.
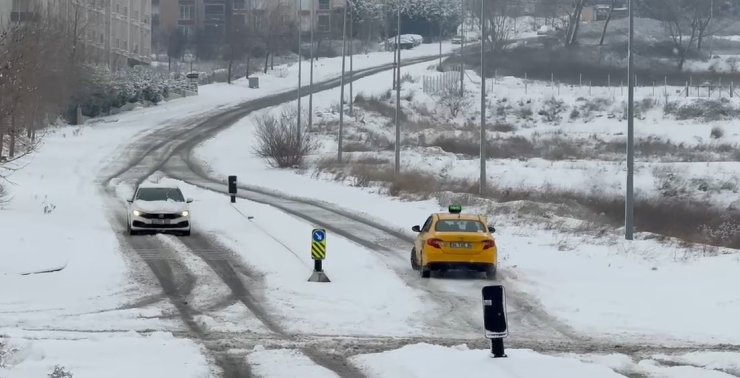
(213,18)
(113,32)
(192,16)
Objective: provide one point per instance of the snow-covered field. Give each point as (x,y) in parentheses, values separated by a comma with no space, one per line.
(95,310)
(600,286)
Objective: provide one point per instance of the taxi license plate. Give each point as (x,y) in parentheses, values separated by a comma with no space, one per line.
(461,245)
(160,221)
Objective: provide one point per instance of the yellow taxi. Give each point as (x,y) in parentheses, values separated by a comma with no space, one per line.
(454,241)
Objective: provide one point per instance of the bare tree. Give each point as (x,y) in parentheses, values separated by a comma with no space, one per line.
(176,42)
(278,142)
(606,23)
(498,19)
(574,22)
(277,25)
(33,91)
(236,46)
(683,21)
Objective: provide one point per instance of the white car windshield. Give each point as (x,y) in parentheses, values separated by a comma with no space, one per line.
(159,194)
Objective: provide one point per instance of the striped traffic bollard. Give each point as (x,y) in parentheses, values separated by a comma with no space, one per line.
(318,254)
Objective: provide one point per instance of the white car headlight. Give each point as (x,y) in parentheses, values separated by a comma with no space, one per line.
(137,213)
(185,213)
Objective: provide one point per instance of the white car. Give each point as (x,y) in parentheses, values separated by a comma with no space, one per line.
(408,41)
(158,208)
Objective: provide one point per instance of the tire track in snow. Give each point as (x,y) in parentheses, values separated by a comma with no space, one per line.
(149,153)
(387,242)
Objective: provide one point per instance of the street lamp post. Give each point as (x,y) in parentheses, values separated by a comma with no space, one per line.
(351,62)
(341,83)
(482,187)
(300,66)
(310,81)
(629,216)
(462,48)
(397,168)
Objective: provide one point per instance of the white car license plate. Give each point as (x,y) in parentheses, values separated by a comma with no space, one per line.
(461,245)
(160,221)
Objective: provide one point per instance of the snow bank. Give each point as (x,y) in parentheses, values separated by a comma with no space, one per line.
(107,355)
(272,363)
(430,361)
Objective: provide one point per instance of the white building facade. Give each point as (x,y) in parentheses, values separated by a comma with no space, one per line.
(113,32)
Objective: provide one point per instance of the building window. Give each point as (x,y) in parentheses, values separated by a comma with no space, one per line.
(187,12)
(215,12)
(240,4)
(186,30)
(324,4)
(324,23)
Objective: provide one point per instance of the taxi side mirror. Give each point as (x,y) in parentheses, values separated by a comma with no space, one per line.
(130,200)
(189,200)
(491,229)
(416,229)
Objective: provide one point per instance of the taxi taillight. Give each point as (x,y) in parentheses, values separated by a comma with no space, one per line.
(487,244)
(436,243)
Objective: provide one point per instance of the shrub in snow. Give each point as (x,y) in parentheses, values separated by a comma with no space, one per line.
(3,353)
(102,90)
(378,105)
(449,97)
(503,127)
(724,232)
(733,64)
(669,184)
(524,110)
(464,146)
(706,110)
(717,133)
(60,372)
(574,114)
(551,110)
(278,142)
(587,108)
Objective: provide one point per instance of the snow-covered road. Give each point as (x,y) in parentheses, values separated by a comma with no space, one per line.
(235,293)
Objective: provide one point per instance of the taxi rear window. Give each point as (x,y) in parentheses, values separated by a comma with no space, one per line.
(459,226)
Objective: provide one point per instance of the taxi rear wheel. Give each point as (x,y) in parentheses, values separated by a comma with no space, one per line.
(414,263)
(491,273)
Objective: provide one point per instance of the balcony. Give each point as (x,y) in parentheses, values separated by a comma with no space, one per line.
(24,16)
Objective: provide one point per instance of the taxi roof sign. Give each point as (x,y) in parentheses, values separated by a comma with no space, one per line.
(455,209)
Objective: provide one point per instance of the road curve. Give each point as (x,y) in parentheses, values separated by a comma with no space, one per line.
(147,154)
(169,150)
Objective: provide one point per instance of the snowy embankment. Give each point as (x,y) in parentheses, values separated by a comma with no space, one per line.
(54,229)
(606,287)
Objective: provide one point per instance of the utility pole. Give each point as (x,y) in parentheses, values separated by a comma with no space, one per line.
(482,188)
(462,48)
(397,169)
(440,42)
(341,83)
(629,216)
(395,54)
(310,82)
(300,65)
(351,62)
